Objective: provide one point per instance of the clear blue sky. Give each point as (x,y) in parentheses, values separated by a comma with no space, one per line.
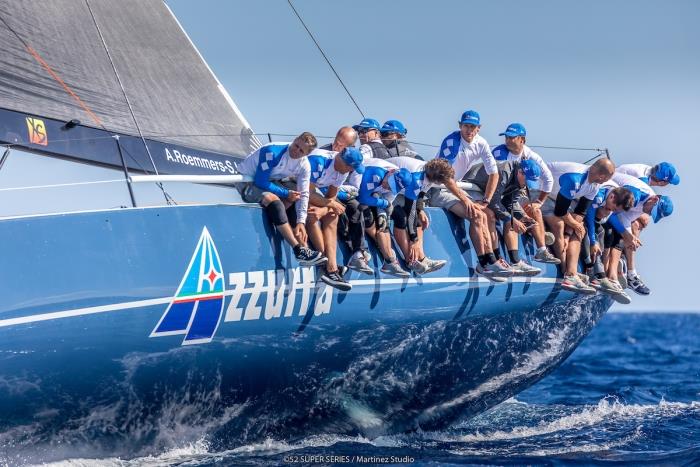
(615,74)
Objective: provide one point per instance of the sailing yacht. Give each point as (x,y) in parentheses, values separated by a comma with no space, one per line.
(124,314)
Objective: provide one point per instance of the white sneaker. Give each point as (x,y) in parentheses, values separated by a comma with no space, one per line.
(432,265)
(487,273)
(576,285)
(395,269)
(521,268)
(544,256)
(417,268)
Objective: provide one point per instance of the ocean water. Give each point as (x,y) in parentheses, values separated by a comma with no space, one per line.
(630,394)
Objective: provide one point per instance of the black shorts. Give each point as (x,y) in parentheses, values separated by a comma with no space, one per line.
(613,239)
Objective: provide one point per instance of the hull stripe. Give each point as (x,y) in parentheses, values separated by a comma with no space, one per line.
(159,301)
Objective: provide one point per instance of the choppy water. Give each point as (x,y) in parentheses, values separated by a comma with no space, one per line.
(629,394)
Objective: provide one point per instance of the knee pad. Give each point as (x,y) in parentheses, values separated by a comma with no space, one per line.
(400,218)
(277,213)
(368,216)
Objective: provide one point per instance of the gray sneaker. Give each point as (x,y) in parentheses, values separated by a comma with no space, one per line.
(608,286)
(359,264)
(621,298)
(521,268)
(395,269)
(500,268)
(417,268)
(482,271)
(548,238)
(623,281)
(432,265)
(544,256)
(576,285)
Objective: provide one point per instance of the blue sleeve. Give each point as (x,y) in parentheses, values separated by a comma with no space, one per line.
(365,197)
(616,223)
(500,152)
(262,181)
(590,225)
(342,195)
(567,185)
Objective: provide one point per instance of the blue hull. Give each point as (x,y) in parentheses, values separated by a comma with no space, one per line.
(116,324)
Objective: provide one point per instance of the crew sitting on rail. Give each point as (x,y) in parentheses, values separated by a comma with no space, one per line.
(659,175)
(620,225)
(371,145)
(345,137)
(328,173)
(505,207)
(276,161)
(573,182)
(380,184)
(394,138)
(515,149)
(610,199)
(410,219)
(463,149)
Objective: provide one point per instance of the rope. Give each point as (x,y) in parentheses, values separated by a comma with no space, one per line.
(326,58)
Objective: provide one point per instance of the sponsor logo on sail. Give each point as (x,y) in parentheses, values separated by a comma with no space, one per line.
(37,131)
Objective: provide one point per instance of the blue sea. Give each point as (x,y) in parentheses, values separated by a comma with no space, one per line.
(630,394)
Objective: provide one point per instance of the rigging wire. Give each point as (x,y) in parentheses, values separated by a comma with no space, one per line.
(168,198)
(318,46)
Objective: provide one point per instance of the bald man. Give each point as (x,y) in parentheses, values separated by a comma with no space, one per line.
(575,186)
(344,138)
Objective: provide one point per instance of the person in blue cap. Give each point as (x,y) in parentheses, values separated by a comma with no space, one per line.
(371,145)
(408,211)
(609,199)
(394,138)
(463,149)
(505,207)
(268,165)
(380,184)
(575,187)
(515,149)
(661,174)
(329,170)
(628,225)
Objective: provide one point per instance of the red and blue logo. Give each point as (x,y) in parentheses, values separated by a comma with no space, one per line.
(196,308)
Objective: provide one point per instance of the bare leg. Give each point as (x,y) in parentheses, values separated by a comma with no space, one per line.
(556,225)
(573,250)
(510,237)
(613,260)
(313,229)
(537,232)
(478,228)
(401,237)
(330,237)
(491,222)
(383,240)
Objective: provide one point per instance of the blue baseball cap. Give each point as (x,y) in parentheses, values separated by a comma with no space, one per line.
(514,129)
(667,172)
(367,124)
(470,117)
(394,126)
(401,179)
(353,158)
(663,208)
(532,173)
